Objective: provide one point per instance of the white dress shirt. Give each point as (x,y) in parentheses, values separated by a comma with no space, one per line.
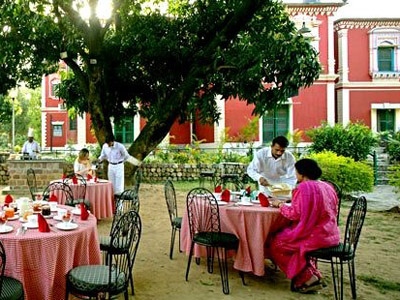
(280,170)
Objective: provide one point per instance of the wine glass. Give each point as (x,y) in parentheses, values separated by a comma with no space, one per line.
(67,218)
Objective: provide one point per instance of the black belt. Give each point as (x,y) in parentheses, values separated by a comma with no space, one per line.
(120,162)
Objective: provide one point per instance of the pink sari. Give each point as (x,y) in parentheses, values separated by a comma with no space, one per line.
(313,212)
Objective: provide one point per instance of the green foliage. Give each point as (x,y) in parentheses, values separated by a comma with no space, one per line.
(393,146)
(394,176)
(355,140)
(173,65)
(350,175)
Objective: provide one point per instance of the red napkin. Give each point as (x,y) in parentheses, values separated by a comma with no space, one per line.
(84,212)
(248,190)
(263,200)
(218,189)
(88,176)
(63,176)
(8,199)
(226,196)
(43,226)
(53,198)
(74,180)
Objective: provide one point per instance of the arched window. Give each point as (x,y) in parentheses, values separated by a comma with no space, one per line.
(385,53)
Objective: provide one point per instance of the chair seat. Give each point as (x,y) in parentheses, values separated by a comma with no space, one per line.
(177,222)
(336,251)
(94,279)
(104,242)
(217,239)
(12,289)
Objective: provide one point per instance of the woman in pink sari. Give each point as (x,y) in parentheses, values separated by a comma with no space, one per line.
(313,213)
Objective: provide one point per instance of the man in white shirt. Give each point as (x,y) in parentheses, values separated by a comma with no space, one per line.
(116,154)
(273,165)
(31,147)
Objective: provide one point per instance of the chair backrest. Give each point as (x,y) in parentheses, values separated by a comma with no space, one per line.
(125,238)
(339,194)
(2,264)
(31,181)
(64,189)
(80,193)
(170,198)
(127,201)
(202,211)
(232,184)
(354,224)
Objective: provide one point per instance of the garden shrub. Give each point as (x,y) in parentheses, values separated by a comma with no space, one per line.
(393,147)
(394,176)
(350,175)
(355,140)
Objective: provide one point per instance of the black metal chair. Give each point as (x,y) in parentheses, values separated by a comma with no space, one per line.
(228,175)
(345,252)
(31,181)
(205,230)
(65,190)
(112,279)
(339,194)
(176,222)
(81,191)
(127,201)
(10,288)
(230,183)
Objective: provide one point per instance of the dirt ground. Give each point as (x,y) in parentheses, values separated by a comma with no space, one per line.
(158,277)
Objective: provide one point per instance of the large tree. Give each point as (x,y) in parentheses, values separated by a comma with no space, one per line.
(166,66)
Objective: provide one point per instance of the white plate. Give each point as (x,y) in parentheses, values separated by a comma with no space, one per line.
(222,203)
(23,220)
(47,217)
(102,180)
(244,203)
(67,226)
(31,225)
(6,229)
(76,211)
(255,201)
(13,218)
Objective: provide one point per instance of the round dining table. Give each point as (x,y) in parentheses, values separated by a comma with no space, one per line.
(252,224)
(100,195)
(41,260)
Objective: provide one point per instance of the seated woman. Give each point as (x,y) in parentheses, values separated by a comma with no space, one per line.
(82,164)
(313,214)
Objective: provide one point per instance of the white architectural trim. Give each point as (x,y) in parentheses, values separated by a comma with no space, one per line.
(81,129)
(330,103)
(219,128)
(343,55)
(331,46)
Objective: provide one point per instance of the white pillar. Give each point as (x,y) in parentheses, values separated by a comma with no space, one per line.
(343,55)
(219,127)
(81,129)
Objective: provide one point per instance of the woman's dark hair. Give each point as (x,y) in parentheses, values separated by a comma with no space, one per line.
(308,167)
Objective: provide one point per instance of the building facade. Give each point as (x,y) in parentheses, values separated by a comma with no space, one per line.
(359,81)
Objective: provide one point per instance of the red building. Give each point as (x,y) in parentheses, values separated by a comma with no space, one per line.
(360,61)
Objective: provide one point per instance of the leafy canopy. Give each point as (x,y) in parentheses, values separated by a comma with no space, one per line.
(163,66)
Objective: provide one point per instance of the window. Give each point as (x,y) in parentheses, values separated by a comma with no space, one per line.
(386,120)
(384,53)
(54,88)
(123,130)
(385,59)
(73,124)
(275,122)
(57,130)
